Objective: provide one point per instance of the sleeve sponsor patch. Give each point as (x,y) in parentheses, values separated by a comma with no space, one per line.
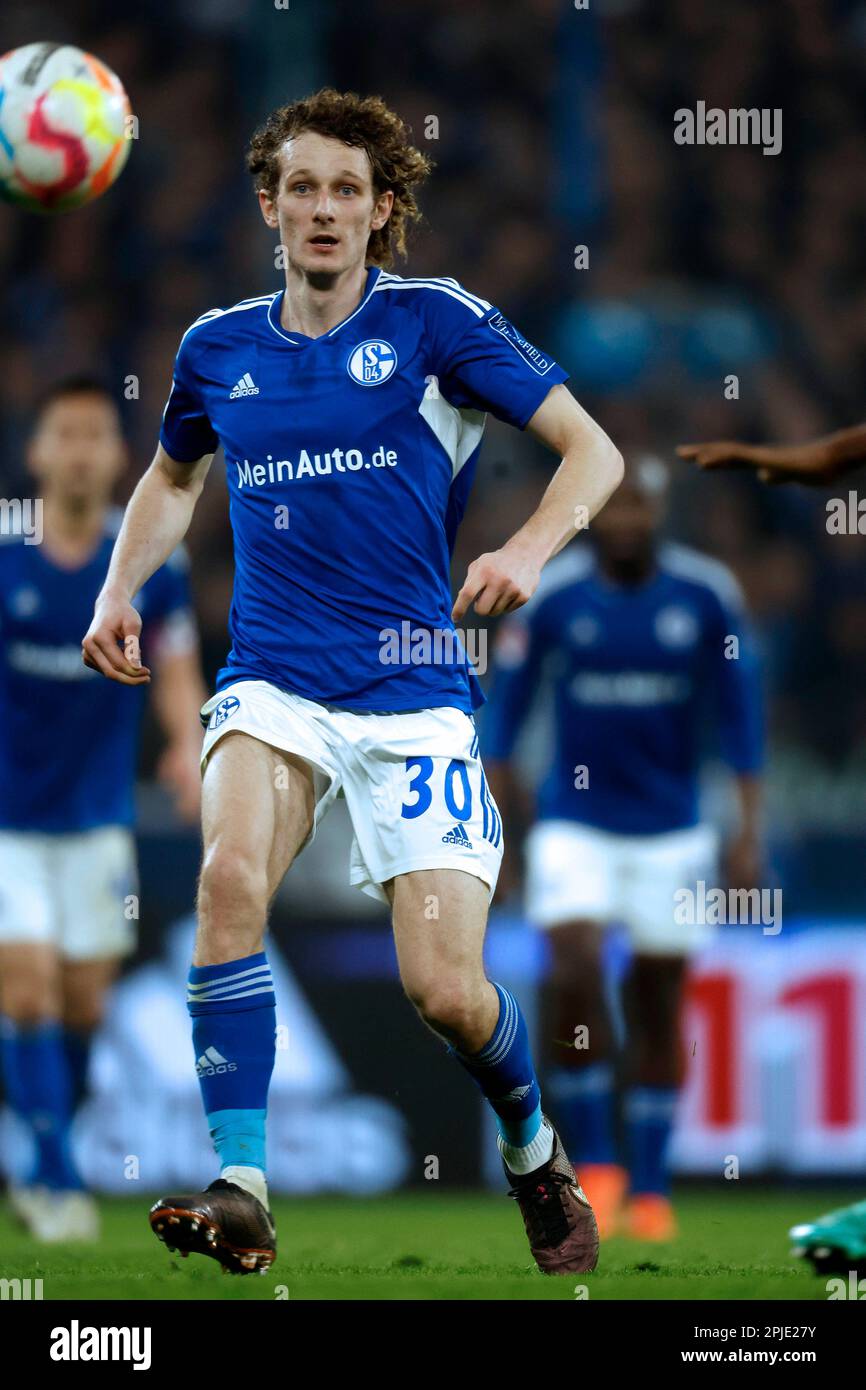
(533,356)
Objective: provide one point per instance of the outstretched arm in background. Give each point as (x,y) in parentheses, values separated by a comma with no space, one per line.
(819,461)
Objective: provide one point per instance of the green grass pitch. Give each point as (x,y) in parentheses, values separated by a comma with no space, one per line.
(733,1245)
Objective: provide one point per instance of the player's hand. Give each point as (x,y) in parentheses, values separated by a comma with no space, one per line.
(497,582)
(723,453)
(179,769)
(111,643)
(743,861)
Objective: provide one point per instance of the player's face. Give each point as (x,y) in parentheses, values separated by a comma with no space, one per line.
(625,529)
(77,451)
(325,207)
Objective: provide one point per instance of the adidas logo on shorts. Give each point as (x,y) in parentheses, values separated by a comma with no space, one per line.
(457,836)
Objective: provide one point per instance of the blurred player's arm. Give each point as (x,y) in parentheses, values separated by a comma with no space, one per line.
(744,852)
(591,469)
(155,522)
(736,680)
(178,695)
(819,461)
(518,655)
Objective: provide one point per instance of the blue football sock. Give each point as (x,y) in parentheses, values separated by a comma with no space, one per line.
(233,1031)
(504,1072)
(36,1079)
(649,1117)
(77,1044)
(582,1103)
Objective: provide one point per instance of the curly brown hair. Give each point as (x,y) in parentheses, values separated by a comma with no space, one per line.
(366,123)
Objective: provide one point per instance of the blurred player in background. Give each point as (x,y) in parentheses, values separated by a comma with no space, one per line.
(68,746)
(633,639)
(350,406)
(835,1242)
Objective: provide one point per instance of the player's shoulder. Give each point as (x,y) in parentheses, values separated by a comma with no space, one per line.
(220,322)
(692,568)
(433,296)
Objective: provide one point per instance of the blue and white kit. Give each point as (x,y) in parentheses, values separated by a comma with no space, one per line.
(638,676)
(68,748)
(349,459)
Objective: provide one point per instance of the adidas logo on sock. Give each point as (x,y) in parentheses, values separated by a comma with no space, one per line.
(457,836)
(212,1063)
(514,1096)
(245,387)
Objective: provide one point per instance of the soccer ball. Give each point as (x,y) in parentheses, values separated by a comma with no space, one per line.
(64,129)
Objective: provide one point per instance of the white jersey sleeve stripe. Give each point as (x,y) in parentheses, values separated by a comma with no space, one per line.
(235,308)
(432,285)
(436,282)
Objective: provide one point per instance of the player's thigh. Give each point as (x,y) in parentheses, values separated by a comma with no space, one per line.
(440,917)
(417,797)
(30,981)
(258,804)
(84,987)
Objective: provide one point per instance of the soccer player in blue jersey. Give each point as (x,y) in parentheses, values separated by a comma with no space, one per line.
(637,643)
(68,746)
(836,1241)
(350,407)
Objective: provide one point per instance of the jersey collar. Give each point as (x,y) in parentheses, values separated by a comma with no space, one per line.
(276,309)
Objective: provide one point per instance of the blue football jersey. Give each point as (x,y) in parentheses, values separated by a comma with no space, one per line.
(349,459)
(636,675)
(68,736)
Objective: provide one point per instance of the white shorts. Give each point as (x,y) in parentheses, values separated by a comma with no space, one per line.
(578,873)
(413,781)
(70,891)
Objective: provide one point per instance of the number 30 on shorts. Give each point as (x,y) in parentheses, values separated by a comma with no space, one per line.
(420,785)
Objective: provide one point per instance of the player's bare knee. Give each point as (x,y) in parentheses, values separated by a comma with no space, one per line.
(83,1015)
(452,1007)
(575,943)
(233,881)
(29,1002)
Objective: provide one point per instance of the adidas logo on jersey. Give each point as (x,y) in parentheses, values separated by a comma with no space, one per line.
(245,387)
(212,1063)
(457,836)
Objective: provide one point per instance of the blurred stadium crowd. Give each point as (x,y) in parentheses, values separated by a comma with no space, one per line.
(553,130)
